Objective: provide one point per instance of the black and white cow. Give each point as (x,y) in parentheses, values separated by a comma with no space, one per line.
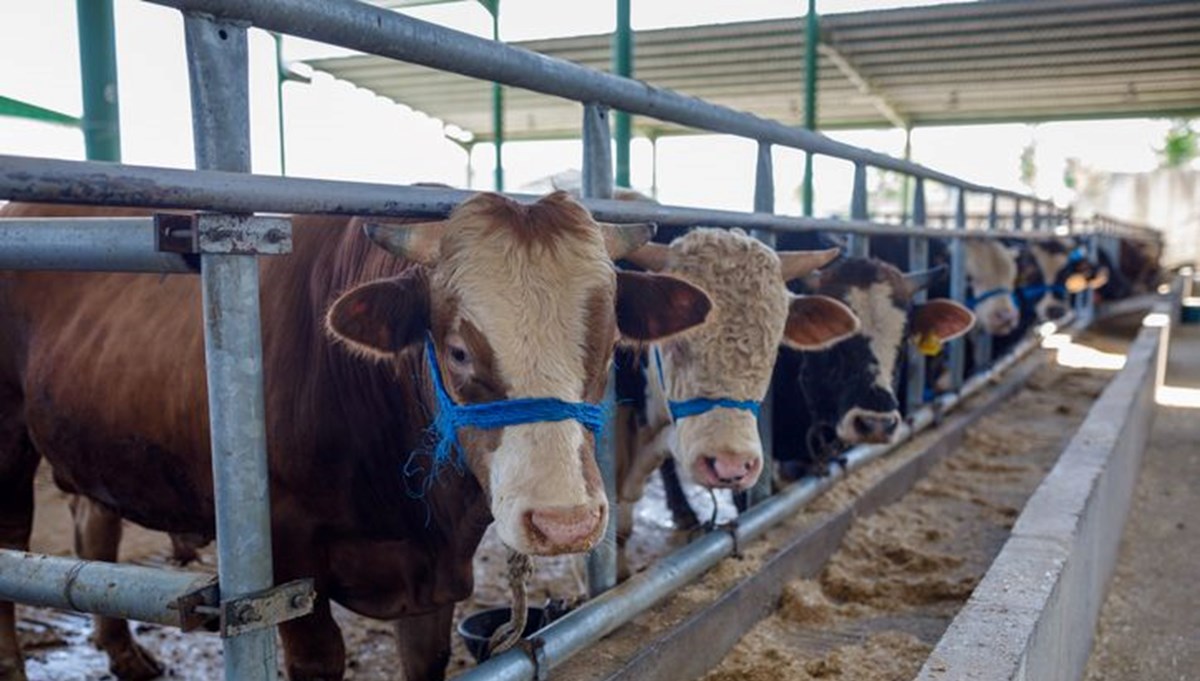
(828,400)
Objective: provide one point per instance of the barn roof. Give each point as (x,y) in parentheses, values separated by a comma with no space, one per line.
(974,62)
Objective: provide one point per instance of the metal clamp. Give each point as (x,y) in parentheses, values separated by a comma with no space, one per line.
(222,233)
(236,616)
(535,649)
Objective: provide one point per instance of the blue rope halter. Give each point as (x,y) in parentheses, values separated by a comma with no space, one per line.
(451,416)
(700,405)
(1036,291)
(974,301)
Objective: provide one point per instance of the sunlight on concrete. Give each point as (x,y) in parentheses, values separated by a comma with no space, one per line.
(1079,356)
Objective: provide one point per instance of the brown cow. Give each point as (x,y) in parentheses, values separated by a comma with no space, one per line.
(102,374)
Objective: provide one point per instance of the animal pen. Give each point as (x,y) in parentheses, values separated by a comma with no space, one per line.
(222,242)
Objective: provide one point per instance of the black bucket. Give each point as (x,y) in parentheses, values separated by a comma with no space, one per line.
(477,629)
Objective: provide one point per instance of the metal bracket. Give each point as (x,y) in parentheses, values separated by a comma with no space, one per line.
(204,608)
(267,608)
(222,233)
(535,649)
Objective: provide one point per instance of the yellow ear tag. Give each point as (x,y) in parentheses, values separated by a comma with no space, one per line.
(928,344)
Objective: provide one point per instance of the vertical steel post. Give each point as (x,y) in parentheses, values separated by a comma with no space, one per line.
(493,6)
(918,260)
(1018,222)
(811,37)
(598,183)
(217,67)
(622,65)
(764,202)
(98,73)
(859,244)
(958,286)
(982,339)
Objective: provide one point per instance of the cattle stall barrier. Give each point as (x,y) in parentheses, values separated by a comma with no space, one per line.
(246,603)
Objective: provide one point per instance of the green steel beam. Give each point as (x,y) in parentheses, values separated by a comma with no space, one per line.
(98,72)
(811,38)
(15,108)
(622,65)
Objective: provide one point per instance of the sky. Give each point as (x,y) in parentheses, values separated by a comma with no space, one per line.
(335,130)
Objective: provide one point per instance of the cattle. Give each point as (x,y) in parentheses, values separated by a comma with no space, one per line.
(1051,270)
(828,400)
(695,397)
(368,333)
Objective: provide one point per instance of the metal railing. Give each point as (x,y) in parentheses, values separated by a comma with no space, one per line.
(216,48)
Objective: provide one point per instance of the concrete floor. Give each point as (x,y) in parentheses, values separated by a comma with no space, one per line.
(1149,629)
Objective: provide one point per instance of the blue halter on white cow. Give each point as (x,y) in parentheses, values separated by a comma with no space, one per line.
(973,301)
(451,416)
(681,409)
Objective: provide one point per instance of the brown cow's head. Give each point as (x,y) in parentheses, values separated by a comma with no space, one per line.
(732,356)
(521,301)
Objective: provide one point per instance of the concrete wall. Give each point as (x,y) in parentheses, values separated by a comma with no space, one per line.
(1033,616)
(1168,200)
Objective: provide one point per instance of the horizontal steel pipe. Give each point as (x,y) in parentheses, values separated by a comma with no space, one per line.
(90,244)
(58,181)
(126,591)
(375,30)
(604,614)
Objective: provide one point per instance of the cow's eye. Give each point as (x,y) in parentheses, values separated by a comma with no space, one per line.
(458,353)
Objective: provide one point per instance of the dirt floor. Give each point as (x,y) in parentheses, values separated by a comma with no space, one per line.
(900,575)
(1149,628)
(883,600)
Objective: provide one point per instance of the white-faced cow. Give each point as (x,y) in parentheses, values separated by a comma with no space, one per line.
(702,389)
(103,375)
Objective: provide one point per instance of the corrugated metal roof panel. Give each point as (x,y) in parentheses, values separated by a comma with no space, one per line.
(999,60)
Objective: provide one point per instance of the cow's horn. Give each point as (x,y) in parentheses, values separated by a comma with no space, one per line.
(621,240)
(417,241)
(796,264)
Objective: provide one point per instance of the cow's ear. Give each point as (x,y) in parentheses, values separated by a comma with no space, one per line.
(653,307)
(380,318)
(941,319)
(818,322)
(1099,280)
(1076,283)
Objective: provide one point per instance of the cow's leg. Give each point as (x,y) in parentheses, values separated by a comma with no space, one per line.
(18,465)
(423,642)
(312,645)
(98,537)
(681,510)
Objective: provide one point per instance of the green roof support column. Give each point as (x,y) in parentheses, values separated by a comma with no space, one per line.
(493,7)
(98,71)
(281,74)
(811,37)
(622,65)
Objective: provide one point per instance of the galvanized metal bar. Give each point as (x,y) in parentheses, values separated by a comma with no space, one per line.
(379,31)
(83,182)
(217,66)
(1018,219)
(764,202)
(110,589)
(958,288)
(622,65)
(98,76)
(86,244)
(583,627)
(598,182)
(918,260)
(860,244)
